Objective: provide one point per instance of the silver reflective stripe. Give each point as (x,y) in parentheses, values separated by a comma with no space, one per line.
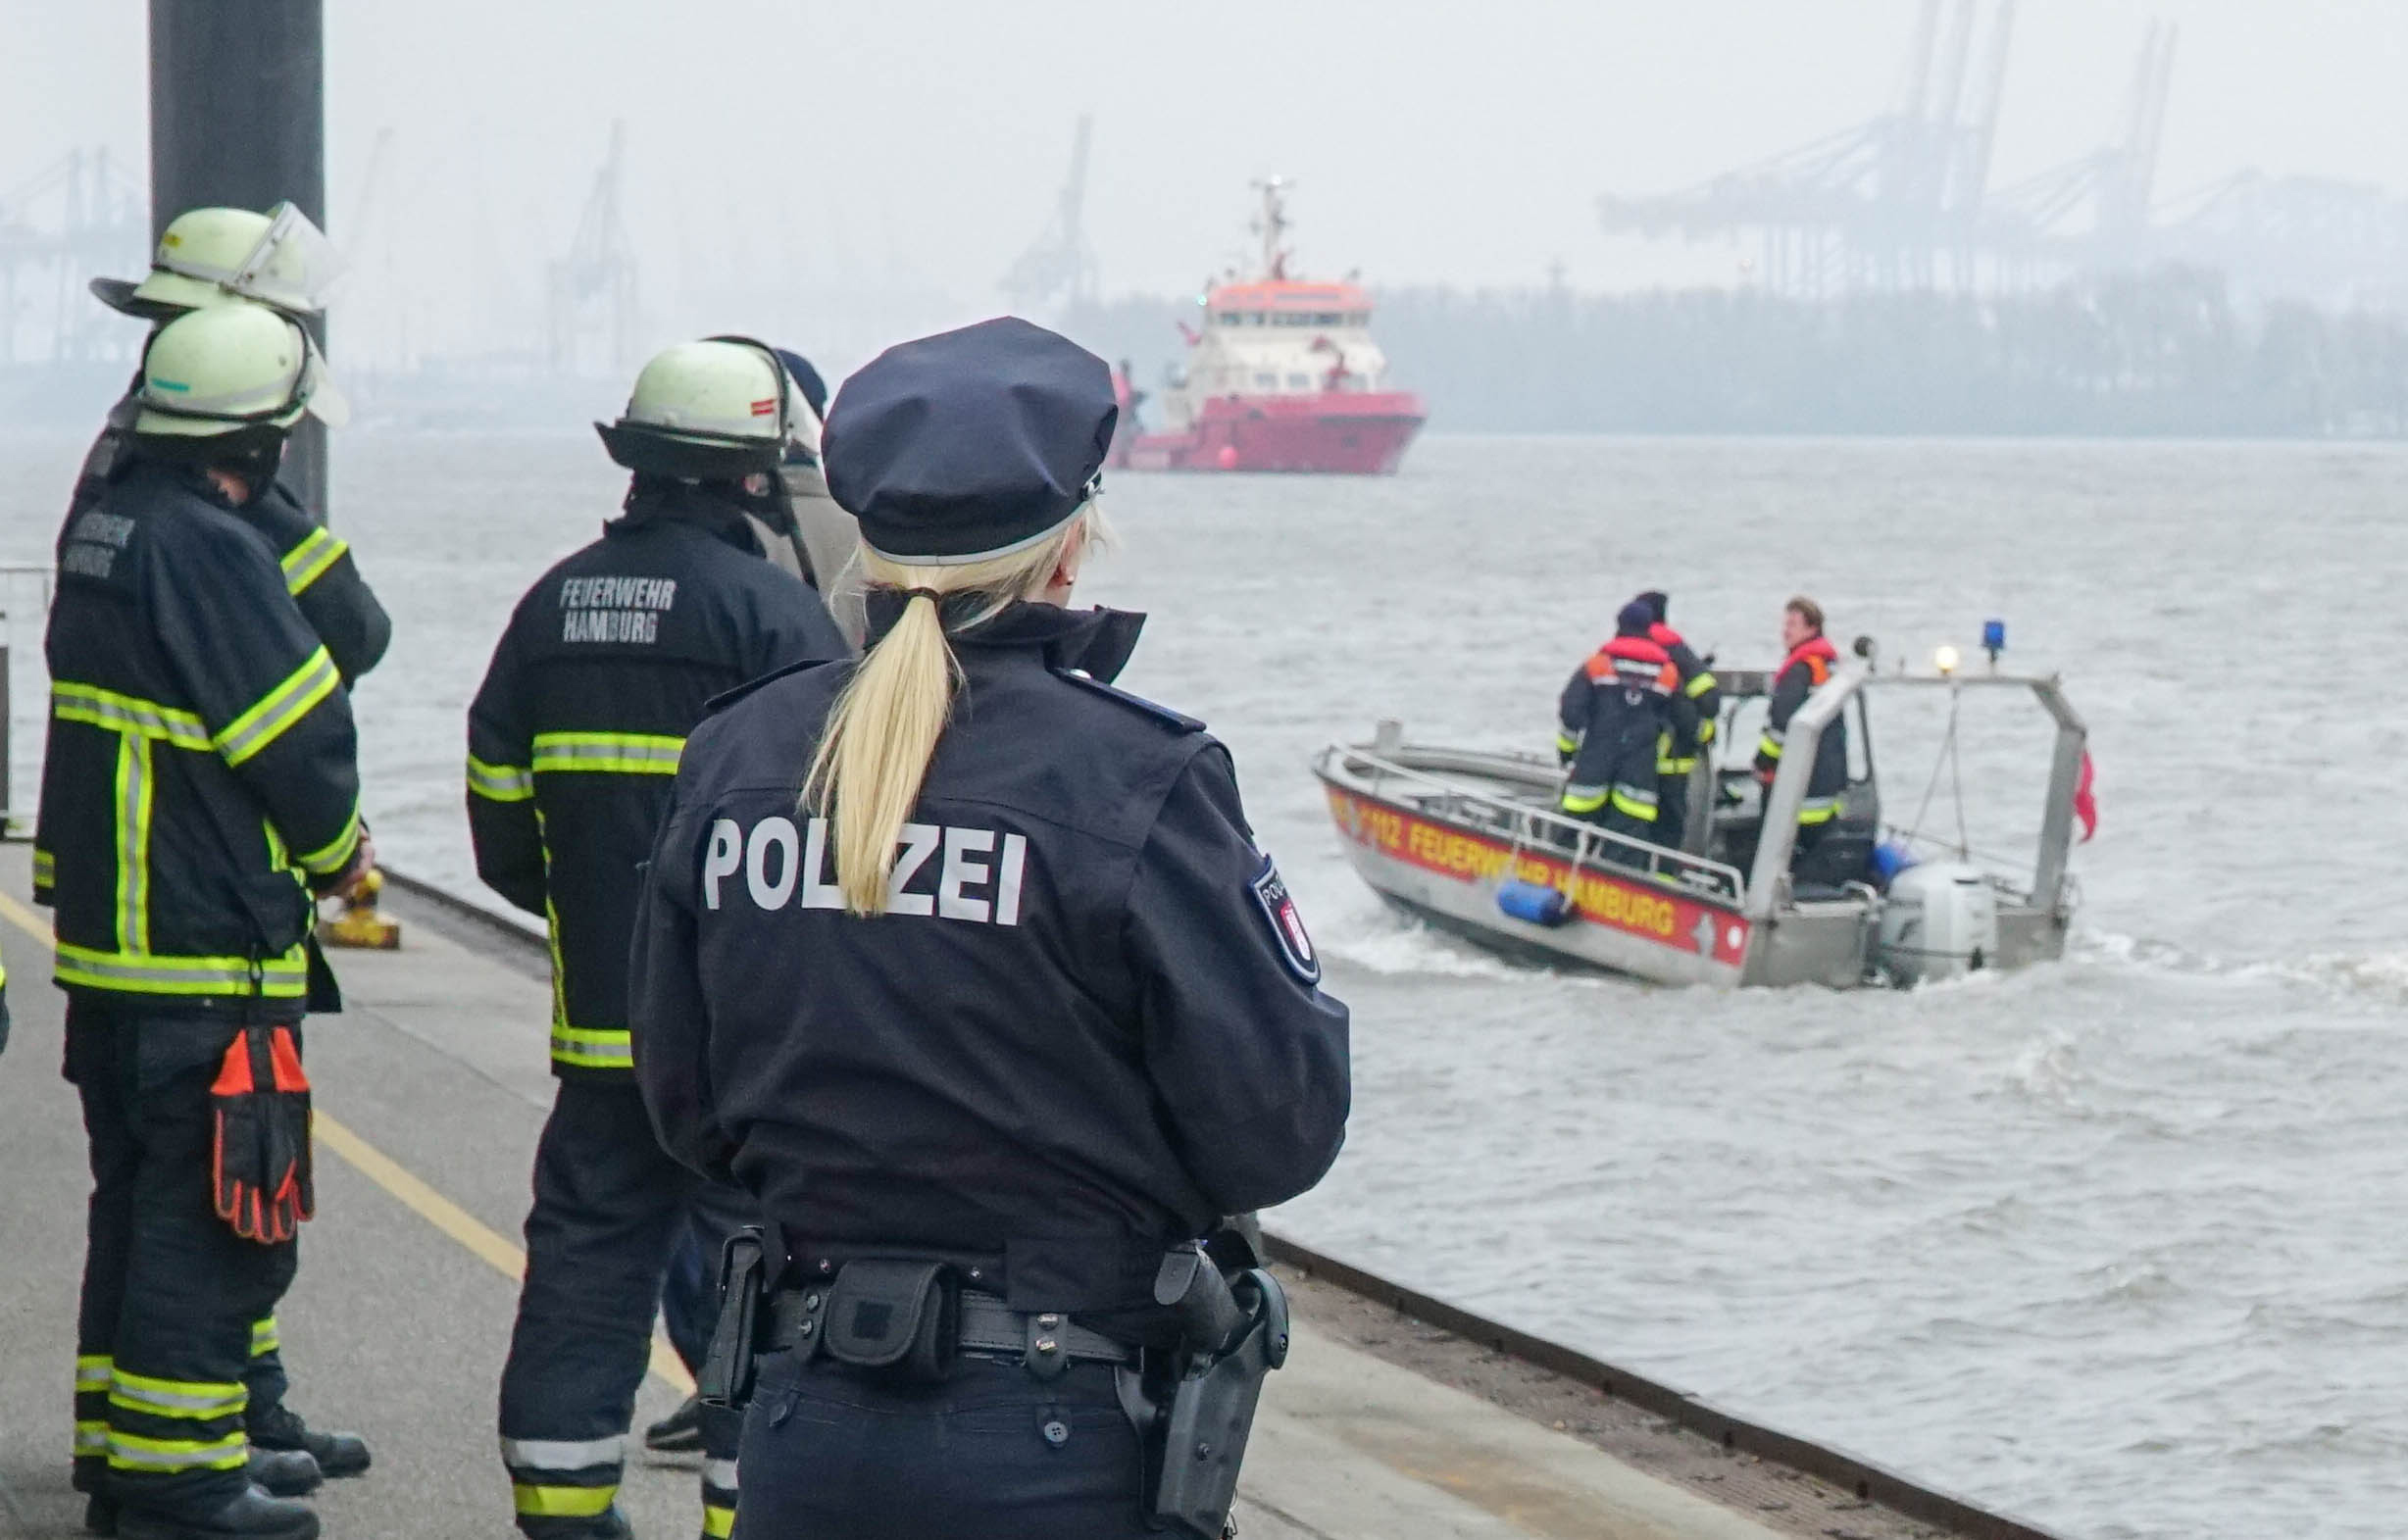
(92,1374)
(720,1473)
(606,751)
(102,708)
(1631,793)
(133,805)
(149,1454)
(1571,792)
(195,1403)
(551,1453)
(280,708)
(1776,735)
(91,1438)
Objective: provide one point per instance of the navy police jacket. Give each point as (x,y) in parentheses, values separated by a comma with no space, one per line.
(316,563)
(607,663)
(1088,1024)
(202,762)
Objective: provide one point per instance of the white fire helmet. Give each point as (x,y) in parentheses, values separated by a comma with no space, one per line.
(715,410)
(230,366)
(216,255)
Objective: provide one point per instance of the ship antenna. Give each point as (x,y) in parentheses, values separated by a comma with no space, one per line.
(1271,226)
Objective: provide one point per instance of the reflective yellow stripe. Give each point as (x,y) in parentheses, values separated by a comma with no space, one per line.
(1821,810)
(280,708)
(264,1337)
(87,703)
(336,853)
(45,868)
(142,973)
(562,1502)
(91,1440)
(129,1451)
(593,1048)
(500,782)
(92,1371)
(1699,685)
(1632,806)
(134,801)
(1584,799)
(308,561)
(1676,767)
(717,1522)
(1705,733)
(614,753)
(1769,746)
(1565,743)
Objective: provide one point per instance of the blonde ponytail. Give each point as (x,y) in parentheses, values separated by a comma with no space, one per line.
(882,731)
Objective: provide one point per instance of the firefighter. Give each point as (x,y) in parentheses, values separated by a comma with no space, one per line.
(967,964)
(1697,709)
(278,259)
(1808,665)
(201,783)
(606,665)
(212,257)
(1614,716)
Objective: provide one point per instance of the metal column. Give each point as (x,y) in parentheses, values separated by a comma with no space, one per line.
(237,96)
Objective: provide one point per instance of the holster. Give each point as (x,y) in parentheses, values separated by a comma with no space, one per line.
(260,1167)
(1235,1331)
(737,1339)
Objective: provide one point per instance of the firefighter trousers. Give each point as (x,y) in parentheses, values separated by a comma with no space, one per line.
(610,1204)
(174,1301)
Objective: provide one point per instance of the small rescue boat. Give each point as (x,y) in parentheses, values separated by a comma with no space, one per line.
(1472,840)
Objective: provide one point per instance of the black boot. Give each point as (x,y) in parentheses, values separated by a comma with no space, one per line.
(608,1524)
(249,1514)
(284,1472)
(281,1428)
(100,1515)
(679,1431)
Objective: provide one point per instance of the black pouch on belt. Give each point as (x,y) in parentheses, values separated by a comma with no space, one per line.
(260,1157)
(726,1378)
(895,1317)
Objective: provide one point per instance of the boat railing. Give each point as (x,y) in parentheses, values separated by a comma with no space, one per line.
(1539,830)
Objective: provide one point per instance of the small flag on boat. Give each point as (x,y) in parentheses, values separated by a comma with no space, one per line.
(2086,802)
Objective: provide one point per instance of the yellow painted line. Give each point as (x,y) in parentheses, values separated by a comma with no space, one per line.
(472,1233)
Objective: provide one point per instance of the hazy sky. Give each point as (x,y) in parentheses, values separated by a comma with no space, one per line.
(918,144)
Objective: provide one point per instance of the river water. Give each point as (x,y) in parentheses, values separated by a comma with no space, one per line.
(2120,1244)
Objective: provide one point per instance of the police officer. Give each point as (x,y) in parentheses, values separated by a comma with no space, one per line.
(201,779)
(1806,668)
(211,256)
(605,667)
(966,965)
(1697,712)
(1614,716)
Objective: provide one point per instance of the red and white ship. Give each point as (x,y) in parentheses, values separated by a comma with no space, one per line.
(1283,376)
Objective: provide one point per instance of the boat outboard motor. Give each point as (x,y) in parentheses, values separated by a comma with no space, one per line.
(1938,922)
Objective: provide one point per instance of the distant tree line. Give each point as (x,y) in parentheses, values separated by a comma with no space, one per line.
(2166,352)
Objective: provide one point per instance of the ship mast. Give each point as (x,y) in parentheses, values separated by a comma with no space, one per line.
(1271,226)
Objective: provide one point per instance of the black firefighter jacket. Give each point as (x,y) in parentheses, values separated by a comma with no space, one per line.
(317,564)
(606,665)
(202,762)
(1089,1024)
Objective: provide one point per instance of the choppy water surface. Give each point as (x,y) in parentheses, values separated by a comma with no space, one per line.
(2120,1244)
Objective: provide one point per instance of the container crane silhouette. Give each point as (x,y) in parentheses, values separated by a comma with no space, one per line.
(593,290)
(1058,272)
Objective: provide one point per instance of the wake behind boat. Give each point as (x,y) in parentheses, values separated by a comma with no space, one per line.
(1472,840)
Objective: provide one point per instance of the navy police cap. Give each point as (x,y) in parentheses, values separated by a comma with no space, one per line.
(969,444)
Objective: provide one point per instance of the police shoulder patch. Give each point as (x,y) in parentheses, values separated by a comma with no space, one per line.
(1287,926)
(1162,714)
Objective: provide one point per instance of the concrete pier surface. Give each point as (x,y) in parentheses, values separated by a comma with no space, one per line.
(431,1090)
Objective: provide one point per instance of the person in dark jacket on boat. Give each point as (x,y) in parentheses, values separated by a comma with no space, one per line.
(1808,666)
(1697,709)
(1614,714)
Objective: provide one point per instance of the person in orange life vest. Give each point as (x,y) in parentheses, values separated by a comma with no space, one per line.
(1809,663)
(1696,709)
(1614,714)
